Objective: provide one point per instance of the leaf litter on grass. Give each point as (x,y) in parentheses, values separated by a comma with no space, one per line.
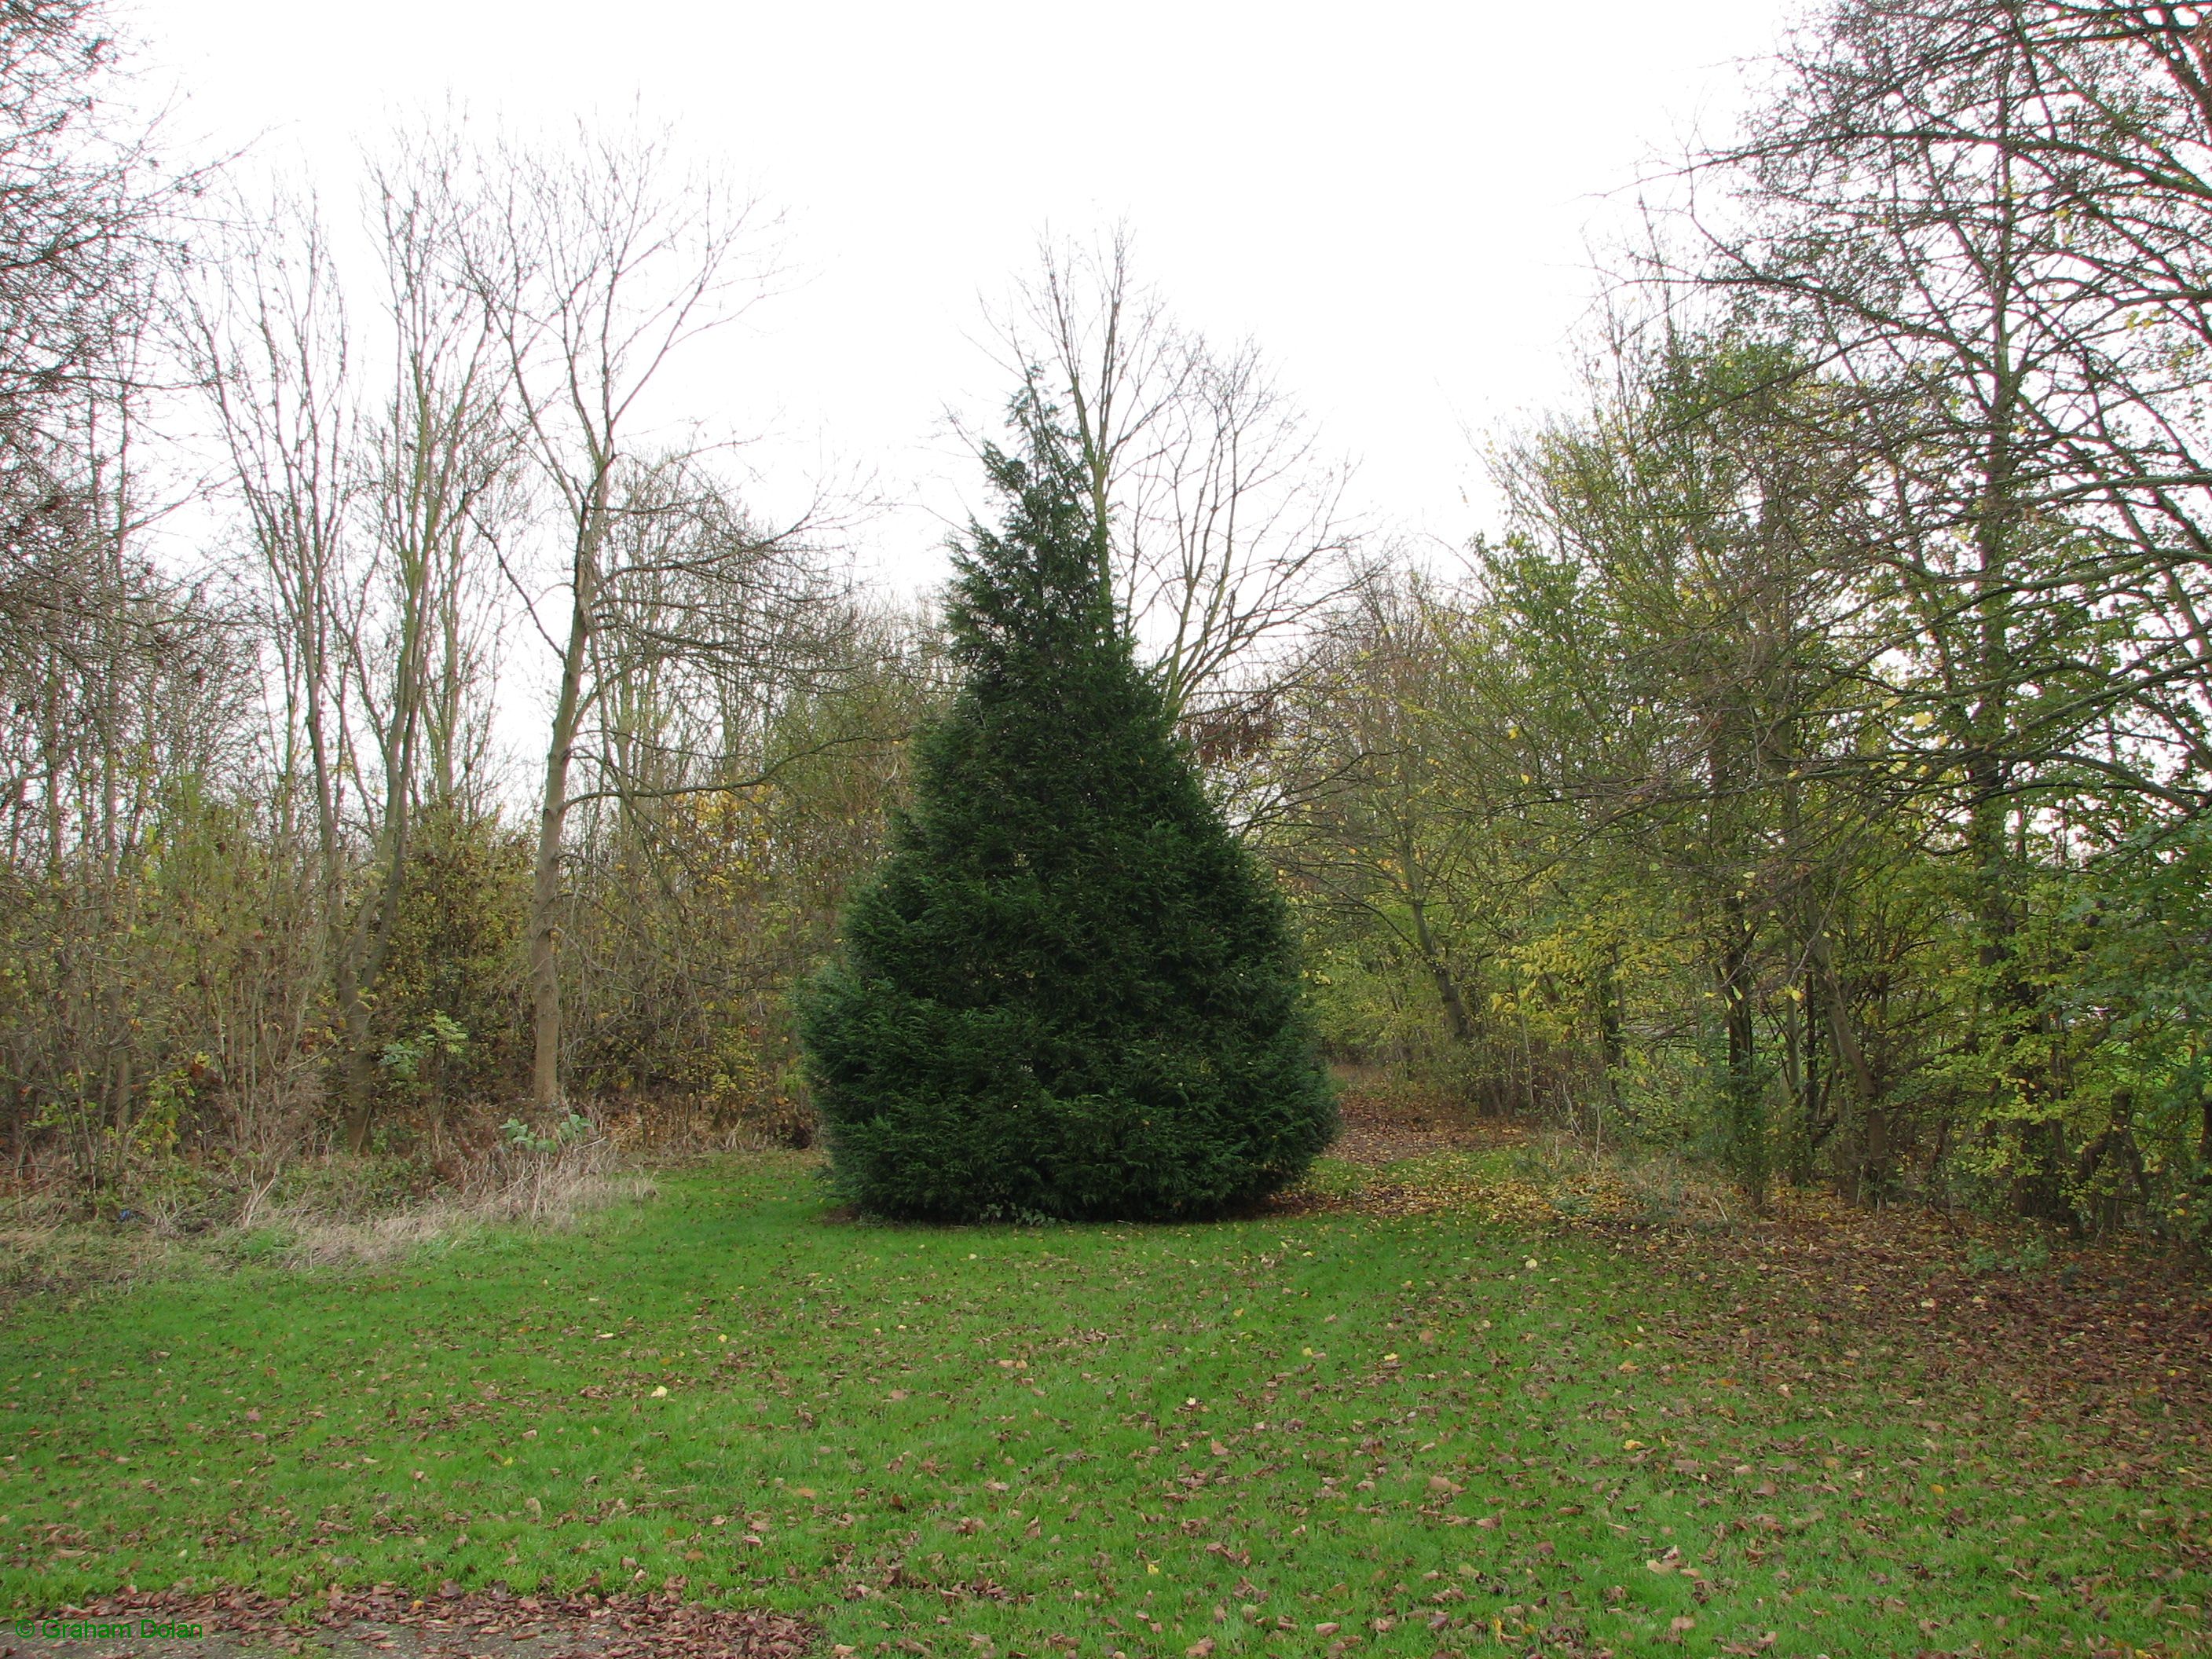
(929,1441)
(2106,1327)
(450,1623)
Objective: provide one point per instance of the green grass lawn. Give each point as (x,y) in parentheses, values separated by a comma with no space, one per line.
(1286,1435)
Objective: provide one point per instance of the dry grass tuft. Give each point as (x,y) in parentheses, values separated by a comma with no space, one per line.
(329,1212)
(553,1189)
(46,1255)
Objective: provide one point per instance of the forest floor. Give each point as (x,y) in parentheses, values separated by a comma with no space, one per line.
(1466,1391)
(2099,1326)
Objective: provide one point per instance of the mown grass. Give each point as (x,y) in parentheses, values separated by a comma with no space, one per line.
(1286,1434)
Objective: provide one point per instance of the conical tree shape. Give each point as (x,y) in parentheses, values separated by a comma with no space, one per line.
(1069,992)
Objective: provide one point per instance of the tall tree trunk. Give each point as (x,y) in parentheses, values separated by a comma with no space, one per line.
(1612,1050)
(369,942)
(1730,755)
(1746,1115)
(1990,762)
(1873,1159)
(1809,1096)
(1448,991)
(553,814)
(1794,1057)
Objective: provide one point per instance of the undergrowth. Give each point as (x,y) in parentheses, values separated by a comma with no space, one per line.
(319,1213)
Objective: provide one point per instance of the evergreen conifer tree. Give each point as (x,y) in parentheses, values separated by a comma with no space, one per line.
(1069,991)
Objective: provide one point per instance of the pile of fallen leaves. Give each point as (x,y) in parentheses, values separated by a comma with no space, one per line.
(1428,1161)
(1377,1129)
(1463,1181)
(457,1622)
(1461,1184)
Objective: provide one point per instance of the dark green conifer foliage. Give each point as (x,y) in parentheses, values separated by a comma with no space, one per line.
(1069,992)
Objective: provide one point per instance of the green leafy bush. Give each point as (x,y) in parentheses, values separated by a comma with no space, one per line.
(521,1138)
(450,999)
(1069,992)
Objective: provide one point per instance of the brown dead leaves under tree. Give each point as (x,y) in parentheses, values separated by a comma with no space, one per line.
(453,1624)
(2103,1332)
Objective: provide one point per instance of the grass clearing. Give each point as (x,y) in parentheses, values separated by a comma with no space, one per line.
(1302,1432)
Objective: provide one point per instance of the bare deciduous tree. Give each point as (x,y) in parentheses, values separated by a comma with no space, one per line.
(78,241)
(444,452)
(597,266)
(272,343)
(371,511)
(1222,526)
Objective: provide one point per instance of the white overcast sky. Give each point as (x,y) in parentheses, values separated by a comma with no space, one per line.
(1395,201)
